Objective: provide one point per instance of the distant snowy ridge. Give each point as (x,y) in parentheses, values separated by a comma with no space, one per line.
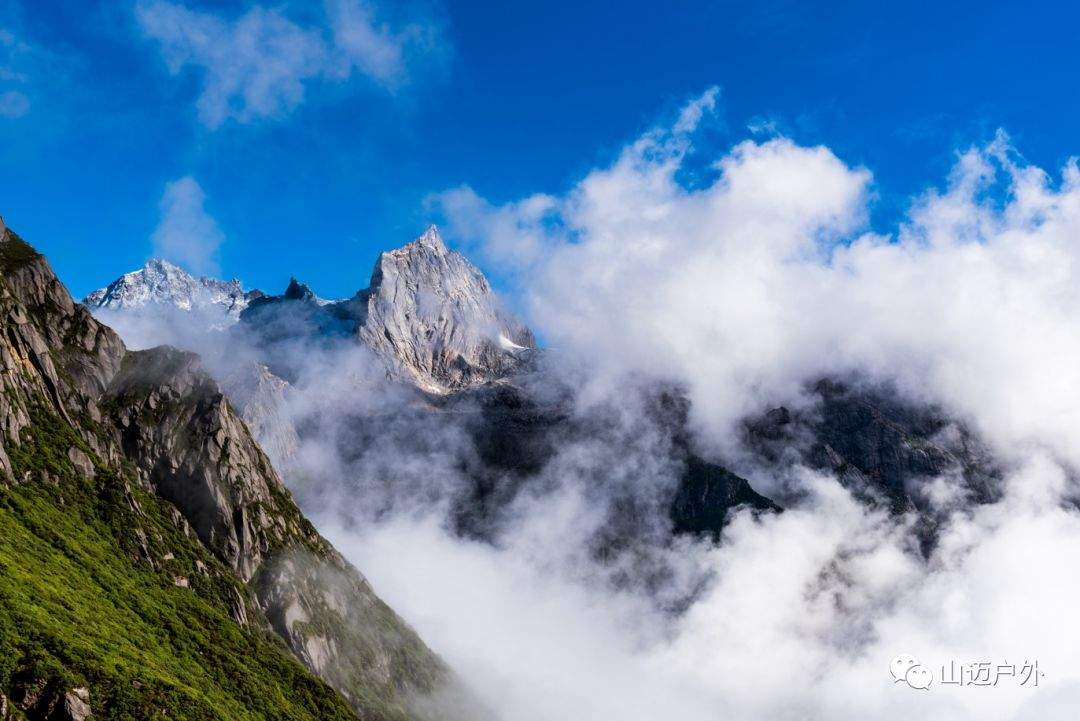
(160,283)
(428,314)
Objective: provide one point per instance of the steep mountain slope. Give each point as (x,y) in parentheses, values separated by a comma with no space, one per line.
(161,284)
(428,314)
(517,432)
(151,562)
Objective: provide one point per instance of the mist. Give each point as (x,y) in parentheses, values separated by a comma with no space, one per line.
(739,291)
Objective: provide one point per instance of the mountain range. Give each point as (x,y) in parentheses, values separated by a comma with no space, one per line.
(153,563)
(435,325)
(160,283)
(428,314)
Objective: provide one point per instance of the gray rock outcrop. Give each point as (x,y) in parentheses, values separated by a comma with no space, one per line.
(433,317)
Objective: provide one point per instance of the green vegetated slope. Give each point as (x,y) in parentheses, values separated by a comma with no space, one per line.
(77,610)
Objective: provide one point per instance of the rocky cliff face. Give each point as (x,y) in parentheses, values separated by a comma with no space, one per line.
(177,426)
(261,398)
(148,549)
(52,352)
(890,453)
(884,449)
(517,432)
(434,318)
(429,316)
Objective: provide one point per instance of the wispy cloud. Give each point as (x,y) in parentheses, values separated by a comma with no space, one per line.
(260,64)
(14,102)
(186,233)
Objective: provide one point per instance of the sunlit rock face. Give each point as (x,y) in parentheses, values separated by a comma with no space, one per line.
(432,315)
(429,315)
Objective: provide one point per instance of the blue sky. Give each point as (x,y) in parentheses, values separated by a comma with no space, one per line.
(314,156)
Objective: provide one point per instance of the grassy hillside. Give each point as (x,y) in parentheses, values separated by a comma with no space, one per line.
(89,598)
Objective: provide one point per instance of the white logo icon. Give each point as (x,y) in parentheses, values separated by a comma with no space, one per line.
(907,668)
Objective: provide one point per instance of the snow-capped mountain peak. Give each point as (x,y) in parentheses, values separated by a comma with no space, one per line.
(160,283)
(428,313)
(435,318)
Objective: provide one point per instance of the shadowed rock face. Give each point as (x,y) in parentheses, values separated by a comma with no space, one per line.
(429,316)
(881,447)
(156,419)
(517,433)
(706,493)
(177,425)
(887,451)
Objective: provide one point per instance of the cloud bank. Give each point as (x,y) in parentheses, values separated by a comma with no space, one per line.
(743,287)
(768,276)
(260,64)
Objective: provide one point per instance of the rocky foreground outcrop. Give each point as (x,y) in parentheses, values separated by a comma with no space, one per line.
(152,564)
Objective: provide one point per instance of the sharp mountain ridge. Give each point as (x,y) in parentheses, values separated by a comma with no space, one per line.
(161,284)
(428,314)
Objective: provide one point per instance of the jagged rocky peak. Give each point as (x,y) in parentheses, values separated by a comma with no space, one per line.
(164,284)
(435,318)
(428,314)
(298,291)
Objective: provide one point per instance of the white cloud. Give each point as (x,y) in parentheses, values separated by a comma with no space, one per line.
(805,612)
(186,233)
(748,287)
(363,43)
(259,65)
(742,290)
